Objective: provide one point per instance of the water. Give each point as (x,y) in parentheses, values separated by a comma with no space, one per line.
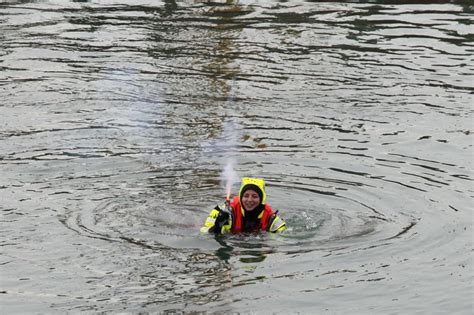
(114,135)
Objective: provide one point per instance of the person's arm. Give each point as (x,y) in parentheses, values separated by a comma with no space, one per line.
(219,221)
(276,224)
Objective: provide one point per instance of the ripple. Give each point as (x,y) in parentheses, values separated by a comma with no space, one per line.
(113,140)
(352,224)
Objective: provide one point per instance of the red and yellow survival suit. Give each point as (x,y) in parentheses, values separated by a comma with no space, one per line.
(234,218)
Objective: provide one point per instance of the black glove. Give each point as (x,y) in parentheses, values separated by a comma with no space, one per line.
(221,220)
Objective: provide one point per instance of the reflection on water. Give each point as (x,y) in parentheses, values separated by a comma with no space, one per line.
(114,135)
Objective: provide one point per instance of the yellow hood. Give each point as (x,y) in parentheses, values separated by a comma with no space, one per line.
(259,182)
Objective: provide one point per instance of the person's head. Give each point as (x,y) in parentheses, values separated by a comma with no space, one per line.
(252,193)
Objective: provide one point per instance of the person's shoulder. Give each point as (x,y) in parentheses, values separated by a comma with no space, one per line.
(277,224)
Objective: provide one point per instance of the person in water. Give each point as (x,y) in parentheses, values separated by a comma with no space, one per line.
(247,212)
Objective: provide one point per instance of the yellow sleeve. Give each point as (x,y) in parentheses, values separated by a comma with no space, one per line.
(210,222)
(277,225)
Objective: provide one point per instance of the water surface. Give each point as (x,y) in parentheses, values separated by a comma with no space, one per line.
(118,118)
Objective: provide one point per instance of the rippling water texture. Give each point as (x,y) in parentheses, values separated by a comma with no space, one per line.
(118,118)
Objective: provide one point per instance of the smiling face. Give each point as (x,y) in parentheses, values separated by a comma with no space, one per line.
(250,200)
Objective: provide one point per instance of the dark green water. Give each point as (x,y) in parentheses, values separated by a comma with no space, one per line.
(117,119)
